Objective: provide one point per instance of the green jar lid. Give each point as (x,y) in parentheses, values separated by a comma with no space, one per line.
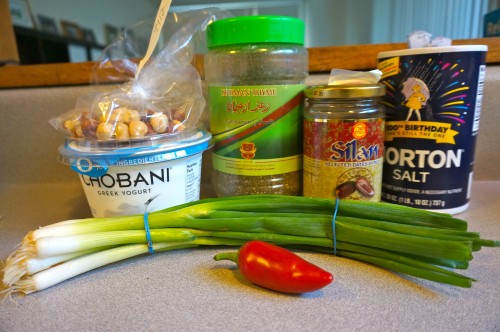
(255,29)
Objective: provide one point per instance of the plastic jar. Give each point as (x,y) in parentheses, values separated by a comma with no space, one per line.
(344,142)
(122,178)
(255,70)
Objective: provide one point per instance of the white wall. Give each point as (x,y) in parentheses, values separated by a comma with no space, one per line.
(338,22)
(393,20)
(346,22)
(328,22)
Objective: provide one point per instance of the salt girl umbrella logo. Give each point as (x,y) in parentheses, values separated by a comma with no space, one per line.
(432,92)
(417,94)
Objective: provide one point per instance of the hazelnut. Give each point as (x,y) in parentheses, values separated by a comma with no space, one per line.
(88,126)
(137,129)
(115,116)
(112,116)
(69,125)
(104,131)
(131,115)
(178,126)
(121,131)
(159,122)
(179,115)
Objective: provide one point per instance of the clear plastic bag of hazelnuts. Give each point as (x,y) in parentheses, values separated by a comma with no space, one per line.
(165,98)
(122,115)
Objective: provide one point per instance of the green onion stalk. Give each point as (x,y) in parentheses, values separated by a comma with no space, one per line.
(406,240)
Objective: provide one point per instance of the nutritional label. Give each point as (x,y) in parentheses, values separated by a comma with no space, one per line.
(193,174)
(419,198)
(479,99)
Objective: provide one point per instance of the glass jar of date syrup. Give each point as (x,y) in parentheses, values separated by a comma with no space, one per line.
(344,141)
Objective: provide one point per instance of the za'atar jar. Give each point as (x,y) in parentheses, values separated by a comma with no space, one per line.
(255,69)
(344,141)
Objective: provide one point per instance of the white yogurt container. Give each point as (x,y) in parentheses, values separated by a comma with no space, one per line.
(126,177)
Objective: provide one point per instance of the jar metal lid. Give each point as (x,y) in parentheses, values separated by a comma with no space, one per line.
(344,91)
(255,29)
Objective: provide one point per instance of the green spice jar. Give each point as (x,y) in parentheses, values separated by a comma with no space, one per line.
(255,70)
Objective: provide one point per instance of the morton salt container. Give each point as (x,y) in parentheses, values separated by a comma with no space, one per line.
(344,141)
(433,104)
(255,69)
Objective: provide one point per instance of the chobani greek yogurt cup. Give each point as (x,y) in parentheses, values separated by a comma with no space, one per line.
(126,177)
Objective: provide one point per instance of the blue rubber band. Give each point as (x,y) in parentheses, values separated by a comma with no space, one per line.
(334,228)
(146,226)
(148,233)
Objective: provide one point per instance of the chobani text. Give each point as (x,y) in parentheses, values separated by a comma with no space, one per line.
(126,180)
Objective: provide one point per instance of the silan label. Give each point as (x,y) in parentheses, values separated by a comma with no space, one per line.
(343,159)
(433,105)
(349,151)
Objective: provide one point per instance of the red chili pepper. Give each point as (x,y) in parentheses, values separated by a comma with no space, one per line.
(273,267)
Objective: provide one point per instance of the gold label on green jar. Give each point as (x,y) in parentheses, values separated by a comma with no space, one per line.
(257,130)
(343,159)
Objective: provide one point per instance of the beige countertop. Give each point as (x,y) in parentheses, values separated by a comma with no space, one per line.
(187,290)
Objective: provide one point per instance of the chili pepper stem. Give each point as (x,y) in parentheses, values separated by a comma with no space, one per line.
(231,256)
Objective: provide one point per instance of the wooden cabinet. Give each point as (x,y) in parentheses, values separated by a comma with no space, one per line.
(8,49)
(36,47)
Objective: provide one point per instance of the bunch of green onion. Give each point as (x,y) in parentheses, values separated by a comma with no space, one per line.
(410,241)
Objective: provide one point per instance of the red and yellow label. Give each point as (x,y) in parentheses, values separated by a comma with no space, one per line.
(343,154)
(359,130)
(248,150)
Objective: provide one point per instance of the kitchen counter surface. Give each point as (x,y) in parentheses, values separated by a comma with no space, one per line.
(188,291)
